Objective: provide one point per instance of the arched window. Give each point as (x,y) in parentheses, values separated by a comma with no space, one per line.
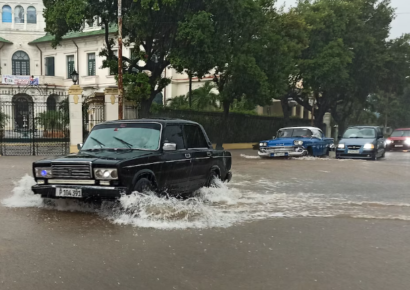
(31,15)
(21,63)
(19,14)
(6,14)
(51,103)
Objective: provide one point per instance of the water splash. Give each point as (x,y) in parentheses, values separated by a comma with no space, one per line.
(220,206)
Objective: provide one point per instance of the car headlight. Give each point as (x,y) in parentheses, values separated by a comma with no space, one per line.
(407,141)
(389,141)
(368,146)
(105,174)
(341,146)
(263,144)
(43,172)
(298,142)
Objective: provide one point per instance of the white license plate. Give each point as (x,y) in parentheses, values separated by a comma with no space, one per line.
(278,154)
(69,192)
(398,145)
(353,151)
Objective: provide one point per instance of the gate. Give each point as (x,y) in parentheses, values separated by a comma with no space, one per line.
(34,128)
(93,113)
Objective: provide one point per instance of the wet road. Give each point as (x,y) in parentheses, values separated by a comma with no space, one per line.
(281,224)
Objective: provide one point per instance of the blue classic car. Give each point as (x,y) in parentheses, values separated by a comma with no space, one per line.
(297,141)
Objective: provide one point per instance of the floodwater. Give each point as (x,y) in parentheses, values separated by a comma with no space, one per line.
(310,223)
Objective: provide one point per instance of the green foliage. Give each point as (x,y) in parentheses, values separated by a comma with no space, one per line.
(4,119)
(51,120)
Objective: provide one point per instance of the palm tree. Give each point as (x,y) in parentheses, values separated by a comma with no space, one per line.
(204,98)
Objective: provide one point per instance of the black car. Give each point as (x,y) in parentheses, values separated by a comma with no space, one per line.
(362,142)
(119,157)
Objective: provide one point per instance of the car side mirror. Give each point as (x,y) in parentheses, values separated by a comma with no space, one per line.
(274,137)
(169,147)
(79,146)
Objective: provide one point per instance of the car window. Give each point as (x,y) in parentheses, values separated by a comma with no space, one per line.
(401,133)
(173,134)
(194,137)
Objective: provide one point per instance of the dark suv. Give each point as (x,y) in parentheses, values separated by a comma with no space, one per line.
(120,157)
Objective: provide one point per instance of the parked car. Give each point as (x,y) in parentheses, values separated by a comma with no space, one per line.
(120,157)
(362,142)
(296,141)
(399,140)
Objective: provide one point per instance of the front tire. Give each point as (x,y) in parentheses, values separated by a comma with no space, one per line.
(143,185)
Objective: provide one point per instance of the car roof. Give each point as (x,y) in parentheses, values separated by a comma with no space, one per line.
(302,127)
(162,121)
(368,127)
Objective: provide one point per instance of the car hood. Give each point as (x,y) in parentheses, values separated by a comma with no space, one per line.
(284,141)
(398,138)
(357,141)
(101,156)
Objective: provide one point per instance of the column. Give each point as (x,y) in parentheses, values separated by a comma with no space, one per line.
(12,17)
(293,111)
(327,121)
(302,109)
(76,117)
(111,104)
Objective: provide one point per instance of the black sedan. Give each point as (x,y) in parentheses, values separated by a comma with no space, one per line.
(120,157)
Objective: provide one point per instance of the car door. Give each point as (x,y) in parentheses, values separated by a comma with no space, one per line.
(177,164)
(317,143)
(201,155)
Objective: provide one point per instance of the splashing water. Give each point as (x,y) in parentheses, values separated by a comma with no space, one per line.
(221,206)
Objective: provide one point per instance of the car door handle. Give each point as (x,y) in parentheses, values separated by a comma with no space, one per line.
(187,155)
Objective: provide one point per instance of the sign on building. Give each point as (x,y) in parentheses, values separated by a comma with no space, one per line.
(20,80)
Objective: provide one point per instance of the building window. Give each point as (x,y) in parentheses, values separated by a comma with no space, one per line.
(70,65)
(6,14)
(91,64)
(115,52)
(31,15)
(19,14)
(49,62)
(51,104)
(20,64)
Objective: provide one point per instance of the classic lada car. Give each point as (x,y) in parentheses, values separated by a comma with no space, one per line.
(399,140)
(297,141)
(119,157)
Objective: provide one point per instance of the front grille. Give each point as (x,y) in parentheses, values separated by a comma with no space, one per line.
(398,142)
(354,147)
(79,171)
(280,149)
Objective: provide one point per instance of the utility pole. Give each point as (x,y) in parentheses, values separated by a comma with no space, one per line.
(120,84)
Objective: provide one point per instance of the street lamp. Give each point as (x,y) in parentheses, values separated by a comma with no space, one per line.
(74,77)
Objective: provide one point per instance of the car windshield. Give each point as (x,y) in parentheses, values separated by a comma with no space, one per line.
(144,136)
(401,133)
(298,132)
(365,133)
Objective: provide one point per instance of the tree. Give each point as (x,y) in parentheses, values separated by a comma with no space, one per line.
(150,26)
(203,98)
(4,119)
(195,54)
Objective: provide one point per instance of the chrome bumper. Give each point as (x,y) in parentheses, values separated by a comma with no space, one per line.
(288,151)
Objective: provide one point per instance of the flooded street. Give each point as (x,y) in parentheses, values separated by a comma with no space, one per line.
(280,224)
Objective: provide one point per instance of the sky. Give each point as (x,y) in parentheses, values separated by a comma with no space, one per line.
(399,26)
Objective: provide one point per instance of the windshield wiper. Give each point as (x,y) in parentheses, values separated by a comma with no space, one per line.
(99,142)
(355,137)
(123,142)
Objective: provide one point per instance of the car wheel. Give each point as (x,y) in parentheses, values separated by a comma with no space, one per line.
(213,176)
(143,185)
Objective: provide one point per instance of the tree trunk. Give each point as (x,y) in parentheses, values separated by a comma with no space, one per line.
(319,114)
(190,90)
(224,128)
(285,108)
(144,110)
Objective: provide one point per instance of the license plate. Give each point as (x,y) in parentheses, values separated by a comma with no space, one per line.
(398,145)
(353,151)
(278,154)
(69,192)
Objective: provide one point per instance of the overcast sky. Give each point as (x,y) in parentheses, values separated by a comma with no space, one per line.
(399,26)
